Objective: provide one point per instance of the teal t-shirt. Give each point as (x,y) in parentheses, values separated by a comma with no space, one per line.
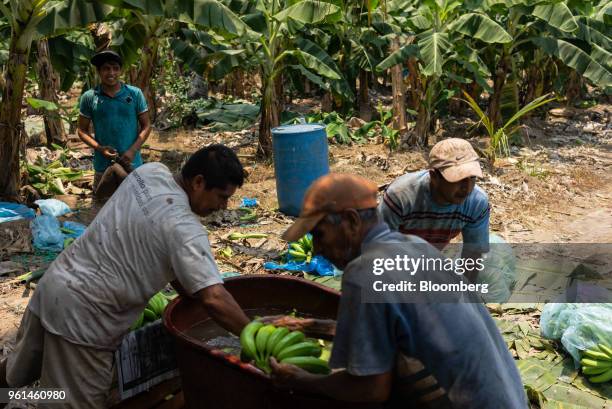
(115,120)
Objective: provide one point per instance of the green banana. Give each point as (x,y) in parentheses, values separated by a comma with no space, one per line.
(595,363)
(158,304)
(247,339)
(305,348)
(149,315)
(278,334)
(290,339)
(297,247)
(308,363)
(591,370)
(306,243)
(239,236)
(600,356)
(261,340)
(604,377)
(297,254)
(606,350)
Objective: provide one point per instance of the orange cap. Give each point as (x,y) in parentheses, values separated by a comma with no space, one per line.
(332,193)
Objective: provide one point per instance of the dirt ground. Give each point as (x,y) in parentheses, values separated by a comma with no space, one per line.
(556,188)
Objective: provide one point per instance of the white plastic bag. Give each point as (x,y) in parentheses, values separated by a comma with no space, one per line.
(53,207)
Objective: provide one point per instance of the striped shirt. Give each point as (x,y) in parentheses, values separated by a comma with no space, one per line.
(408,207)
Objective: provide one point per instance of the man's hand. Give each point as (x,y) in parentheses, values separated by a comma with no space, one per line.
(292,323)
(286,376)
(108,152)
(223,308)
(126,165)
(310,325)
(128,156)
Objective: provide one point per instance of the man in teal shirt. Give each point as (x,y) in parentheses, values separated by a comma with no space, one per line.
(120,119)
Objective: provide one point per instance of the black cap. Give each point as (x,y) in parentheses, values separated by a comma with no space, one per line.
(105,56)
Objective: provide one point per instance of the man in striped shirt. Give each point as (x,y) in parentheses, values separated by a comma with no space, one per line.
(439,203)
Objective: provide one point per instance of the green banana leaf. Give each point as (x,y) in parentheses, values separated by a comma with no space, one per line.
(70,57)
(42,104)
(189,55)
(398,57)
(311,62)
(210,14)
(575,58)
(310,12)
(328,281)
(340,86)
(481,27)
(224,61)
(599,54)
(312,77)
(66,15)
(593,32)
(149,7)
(557,15)
(433,47)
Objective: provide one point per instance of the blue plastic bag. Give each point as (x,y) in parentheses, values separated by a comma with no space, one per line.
(77,228)
(317,265)
(53,207)
(46,233)
(248,202)
(14,211)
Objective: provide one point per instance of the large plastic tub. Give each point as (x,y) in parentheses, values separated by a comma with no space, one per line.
(213,379)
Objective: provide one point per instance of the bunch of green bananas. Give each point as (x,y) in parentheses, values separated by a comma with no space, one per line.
(302,249)
(260,342)
(597,362)
(152,312)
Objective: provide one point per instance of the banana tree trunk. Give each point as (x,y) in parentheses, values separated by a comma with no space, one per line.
(499,81)
(455,106)
(10,121)
(365,109)
(415,94)
(421,128)
(238,83)
(307,87)
(145,74)
(327,102)
(425,115)
(269,117)
(397,88)
(279,93)
(574,88)
(48,83)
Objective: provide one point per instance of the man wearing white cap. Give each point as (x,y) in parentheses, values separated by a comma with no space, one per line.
(439,203)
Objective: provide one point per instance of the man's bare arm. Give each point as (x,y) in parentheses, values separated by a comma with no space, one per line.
(223,308)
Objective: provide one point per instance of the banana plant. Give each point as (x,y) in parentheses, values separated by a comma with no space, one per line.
(357,44)
(543,34)
(499,135)
(27,19)
(438,35)
(277,47)
(137,36)
(273,42)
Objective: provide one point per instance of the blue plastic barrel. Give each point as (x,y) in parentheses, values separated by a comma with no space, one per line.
(300,157)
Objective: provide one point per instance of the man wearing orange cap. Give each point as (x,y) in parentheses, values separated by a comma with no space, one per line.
(424,353)
(439,203)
